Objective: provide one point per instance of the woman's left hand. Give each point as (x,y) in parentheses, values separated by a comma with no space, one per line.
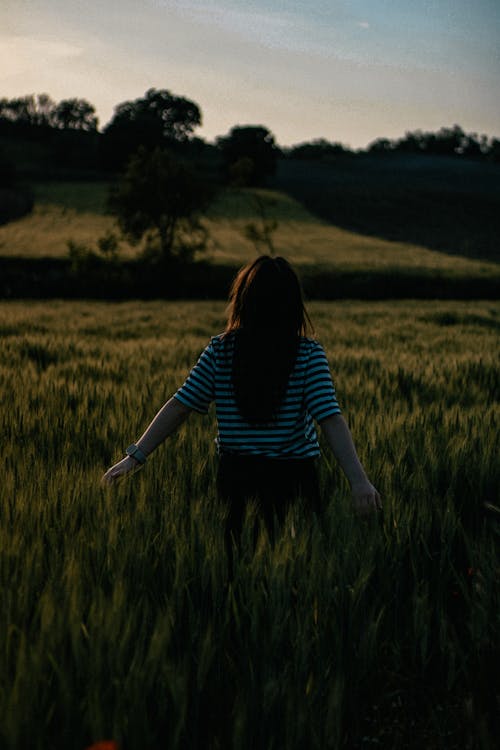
(366,499)
(127,465)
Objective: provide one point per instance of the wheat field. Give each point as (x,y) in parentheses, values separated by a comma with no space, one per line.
(117,619)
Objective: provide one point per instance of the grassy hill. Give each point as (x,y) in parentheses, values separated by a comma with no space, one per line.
(77,211)
(446,204)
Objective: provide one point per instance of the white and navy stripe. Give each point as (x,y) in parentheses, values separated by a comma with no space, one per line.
(310,396)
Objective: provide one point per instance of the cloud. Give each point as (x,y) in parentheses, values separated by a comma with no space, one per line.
(363,24)
(24,52)
(280,30)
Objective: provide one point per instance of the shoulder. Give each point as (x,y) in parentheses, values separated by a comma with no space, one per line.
(220,347)
(311,347)
(216,340)
(221,341)
(307,341)
(314,355)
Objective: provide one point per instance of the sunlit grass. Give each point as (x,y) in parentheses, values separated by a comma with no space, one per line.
(77,212)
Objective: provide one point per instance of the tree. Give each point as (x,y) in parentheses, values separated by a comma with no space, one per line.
(75,114)
(261,233)
(15,200)
(414,142)
(472,145)
(380,146)
(493,151)
(318,149)
(250,142)
(446,142)
(162,198)
(28,110)
(159,119)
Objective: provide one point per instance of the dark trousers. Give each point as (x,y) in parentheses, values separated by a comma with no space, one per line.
(272,483)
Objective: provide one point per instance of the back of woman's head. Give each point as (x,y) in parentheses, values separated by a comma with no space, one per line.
(267,316)
(266,295)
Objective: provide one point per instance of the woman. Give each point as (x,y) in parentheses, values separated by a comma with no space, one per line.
(270,383)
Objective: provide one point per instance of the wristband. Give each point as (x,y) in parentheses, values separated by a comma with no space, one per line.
(136,453)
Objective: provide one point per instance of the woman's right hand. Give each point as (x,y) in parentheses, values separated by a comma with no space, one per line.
(127,465)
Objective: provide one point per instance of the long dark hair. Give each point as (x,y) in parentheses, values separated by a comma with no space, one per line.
(267,316)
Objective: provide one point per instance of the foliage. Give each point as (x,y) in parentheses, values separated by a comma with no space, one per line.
(109,245)
(452,141)
(7,171)
(15,200)
(41,110)
(116,620)
(261,232)
(158,119)
(83,257)
(249,150)
(317,149)
(46,138)
(75,114)
(28,110)
(241,172)
(161,197)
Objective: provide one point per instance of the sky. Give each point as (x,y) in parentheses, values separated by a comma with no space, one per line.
(345,70)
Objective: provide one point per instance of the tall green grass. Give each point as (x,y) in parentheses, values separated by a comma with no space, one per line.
(117,619)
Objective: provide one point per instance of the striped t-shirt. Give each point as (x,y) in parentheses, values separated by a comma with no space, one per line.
(310,395)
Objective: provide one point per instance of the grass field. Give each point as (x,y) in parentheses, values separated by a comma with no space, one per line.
(116,622)
(76,211)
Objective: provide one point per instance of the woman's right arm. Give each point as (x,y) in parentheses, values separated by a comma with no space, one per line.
(168,419)
(338,436)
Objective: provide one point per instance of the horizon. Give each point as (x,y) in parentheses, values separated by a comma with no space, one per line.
(347,72)
(284,147)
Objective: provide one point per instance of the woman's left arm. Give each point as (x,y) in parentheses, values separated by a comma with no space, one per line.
(365,496)
(168,420)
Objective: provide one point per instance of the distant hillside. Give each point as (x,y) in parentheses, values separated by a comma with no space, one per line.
(76,211)
(334,262)
(442,203)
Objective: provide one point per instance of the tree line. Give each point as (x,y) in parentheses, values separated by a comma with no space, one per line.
(162,119)
(163,175)
(159,119)
(452,141)
(41,111)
